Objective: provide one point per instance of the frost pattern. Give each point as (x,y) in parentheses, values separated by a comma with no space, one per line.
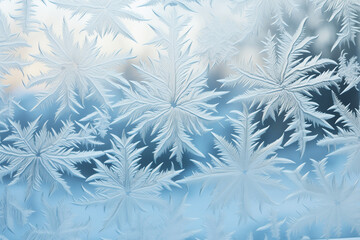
(347,13)
(125,187)
(244,170)
(75,71)
(336,203)
(171,101)
(274,225)
(60,224)
(162,223)
(100,121)
(218,39)
(170,119)
(286,84)
(11,214)
(347,140)
(25,15)
(36,155)
(261,12)
(183,3)
(9,42)
(105,15)
(214,228)
(350,71)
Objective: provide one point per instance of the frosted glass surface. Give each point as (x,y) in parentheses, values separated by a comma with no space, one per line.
(179,120)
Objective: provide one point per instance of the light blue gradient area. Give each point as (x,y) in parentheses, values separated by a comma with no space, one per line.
(196,212)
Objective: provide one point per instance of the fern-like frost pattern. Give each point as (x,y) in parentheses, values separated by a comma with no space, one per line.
(179,119)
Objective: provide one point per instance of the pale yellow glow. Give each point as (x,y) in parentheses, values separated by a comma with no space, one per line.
(52,16)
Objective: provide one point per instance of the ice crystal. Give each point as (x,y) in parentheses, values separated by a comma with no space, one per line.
(75,71)
(286,84)
(245,169)
(350,71)
(172,100)
(124,186)
(347,140)
(9,42)
(36,155)
(25,15)
(261,12)
(105,15)
(347,13)
(333,204)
